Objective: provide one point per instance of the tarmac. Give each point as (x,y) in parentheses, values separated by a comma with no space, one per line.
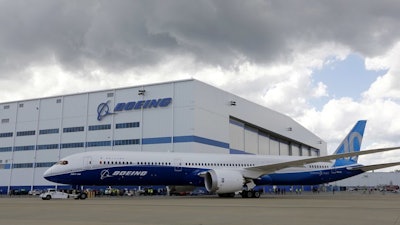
(351,208)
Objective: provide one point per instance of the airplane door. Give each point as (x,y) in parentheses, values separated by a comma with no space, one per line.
(87,163)
(178,165)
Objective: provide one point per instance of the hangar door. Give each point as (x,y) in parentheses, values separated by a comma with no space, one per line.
(248,139)
(236,135)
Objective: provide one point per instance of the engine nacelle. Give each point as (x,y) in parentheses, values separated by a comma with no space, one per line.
(223,181)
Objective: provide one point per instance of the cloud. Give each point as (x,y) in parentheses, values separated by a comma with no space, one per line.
(122,35)
(386,86)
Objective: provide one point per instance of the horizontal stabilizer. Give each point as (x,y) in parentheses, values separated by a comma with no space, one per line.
(373,167)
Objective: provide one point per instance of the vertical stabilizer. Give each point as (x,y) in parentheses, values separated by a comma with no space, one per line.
(351,143)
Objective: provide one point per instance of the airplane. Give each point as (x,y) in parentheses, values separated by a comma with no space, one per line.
(223,174)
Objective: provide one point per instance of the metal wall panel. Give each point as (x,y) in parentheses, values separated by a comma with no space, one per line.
(251,140)
(295,150)
(236,133)
(274,147)
(283,148)
(263,145)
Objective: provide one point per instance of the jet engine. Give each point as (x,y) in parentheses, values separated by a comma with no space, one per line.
(223,181)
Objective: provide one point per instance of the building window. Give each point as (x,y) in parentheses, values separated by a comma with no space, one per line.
(22,165)
(5,120)
(21,105)
(5,166)
(49,146)
(49,131)
(44,164)
(72,145)
(26,133)
(8,134)
(5,149)
(58,100)
(24,148)
(100,127)
(73,129)
(127,125)
(6,107)
(127,142)
(98,143)
(109,95)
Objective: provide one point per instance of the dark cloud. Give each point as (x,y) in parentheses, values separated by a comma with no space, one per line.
(118,35)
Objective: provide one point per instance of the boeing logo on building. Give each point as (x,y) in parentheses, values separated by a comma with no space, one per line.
(103,109)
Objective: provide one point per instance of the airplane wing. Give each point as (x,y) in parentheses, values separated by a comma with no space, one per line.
(257,171)
(373,167)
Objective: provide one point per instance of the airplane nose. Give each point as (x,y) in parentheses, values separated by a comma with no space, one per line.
(54,174)
(48,173)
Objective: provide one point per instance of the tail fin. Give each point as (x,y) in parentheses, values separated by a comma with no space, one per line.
(351,143)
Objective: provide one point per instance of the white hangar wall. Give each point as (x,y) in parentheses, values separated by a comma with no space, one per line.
(181,116)
(370,179)
(252,128)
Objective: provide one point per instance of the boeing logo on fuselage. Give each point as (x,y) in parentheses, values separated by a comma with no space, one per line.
(103,109)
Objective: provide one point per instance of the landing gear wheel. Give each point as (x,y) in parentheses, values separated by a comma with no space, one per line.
(47,197)
(250,194)
(83,196)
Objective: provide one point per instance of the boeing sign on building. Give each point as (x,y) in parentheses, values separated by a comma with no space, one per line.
(103,109)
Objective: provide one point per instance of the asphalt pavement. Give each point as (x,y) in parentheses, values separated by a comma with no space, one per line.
(307,209)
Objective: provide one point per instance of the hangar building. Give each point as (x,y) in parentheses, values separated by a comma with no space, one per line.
(179,116)
(370,179)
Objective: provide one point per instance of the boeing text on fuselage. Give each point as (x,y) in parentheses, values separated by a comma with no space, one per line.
(106,173)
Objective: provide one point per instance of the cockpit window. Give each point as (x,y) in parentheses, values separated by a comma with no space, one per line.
(62,162)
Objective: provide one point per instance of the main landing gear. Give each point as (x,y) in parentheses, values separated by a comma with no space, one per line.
(250,194)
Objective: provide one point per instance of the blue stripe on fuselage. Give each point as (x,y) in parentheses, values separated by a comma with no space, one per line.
(161,175)
(307,177)
(133,175)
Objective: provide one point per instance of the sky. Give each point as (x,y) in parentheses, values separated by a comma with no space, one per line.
(324,63)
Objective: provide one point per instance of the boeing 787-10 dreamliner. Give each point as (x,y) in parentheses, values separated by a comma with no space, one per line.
(223,174)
